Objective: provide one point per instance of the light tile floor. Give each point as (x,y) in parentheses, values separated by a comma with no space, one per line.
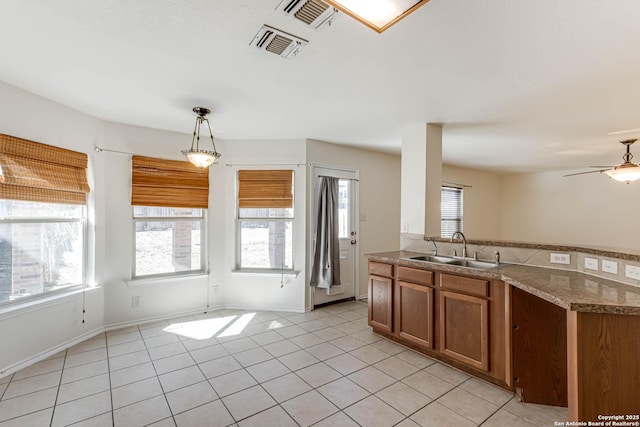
(241,368)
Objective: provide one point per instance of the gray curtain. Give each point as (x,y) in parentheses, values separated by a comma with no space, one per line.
(326,259)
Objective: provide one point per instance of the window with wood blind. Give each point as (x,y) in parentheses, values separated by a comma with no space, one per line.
(169,199)
(265,219)
(43,218)
(450,210)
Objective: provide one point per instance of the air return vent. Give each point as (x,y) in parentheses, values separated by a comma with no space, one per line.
(313,13)
(277,41)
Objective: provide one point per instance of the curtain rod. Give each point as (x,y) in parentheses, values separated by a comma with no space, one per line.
(265,164)
(347,179)
(100,149)
(459,185)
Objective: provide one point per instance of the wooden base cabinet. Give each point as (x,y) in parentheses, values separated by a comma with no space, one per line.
(380,295)
(603,368)
(413,309)
(459,320)
(539,349)
(464,329)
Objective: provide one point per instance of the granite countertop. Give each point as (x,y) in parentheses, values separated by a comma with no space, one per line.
(571,290)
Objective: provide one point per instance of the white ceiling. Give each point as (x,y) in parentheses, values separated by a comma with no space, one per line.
(523,85)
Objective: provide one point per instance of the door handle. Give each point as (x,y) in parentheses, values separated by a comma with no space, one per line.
(353,242)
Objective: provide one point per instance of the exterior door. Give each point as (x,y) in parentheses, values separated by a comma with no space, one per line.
(348,234)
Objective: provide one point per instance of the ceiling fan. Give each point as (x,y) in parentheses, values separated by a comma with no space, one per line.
(626,172)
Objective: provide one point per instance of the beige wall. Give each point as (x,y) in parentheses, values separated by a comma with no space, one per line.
(588,210)
(379,188)
(481,201)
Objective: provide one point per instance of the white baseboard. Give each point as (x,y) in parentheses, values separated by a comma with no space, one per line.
(253,308)
(8,370)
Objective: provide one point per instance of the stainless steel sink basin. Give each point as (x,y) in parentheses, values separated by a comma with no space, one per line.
(434,258)
(468,263)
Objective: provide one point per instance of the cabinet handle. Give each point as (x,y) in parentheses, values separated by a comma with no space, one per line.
(516,327)
(516,379)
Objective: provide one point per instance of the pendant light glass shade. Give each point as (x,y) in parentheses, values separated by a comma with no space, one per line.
(197,156)
(627,172)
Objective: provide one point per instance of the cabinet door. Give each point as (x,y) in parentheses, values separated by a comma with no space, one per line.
(464,329)
(415,307)
(380,302)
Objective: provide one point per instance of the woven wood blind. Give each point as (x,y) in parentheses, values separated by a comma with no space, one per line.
(265,188)
(170,183)
(41,173)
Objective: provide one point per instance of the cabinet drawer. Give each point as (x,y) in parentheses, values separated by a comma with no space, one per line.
(413,275)
(381,269)
(466,285)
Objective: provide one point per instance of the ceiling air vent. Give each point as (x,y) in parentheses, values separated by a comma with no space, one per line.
(277,41)
(313,13)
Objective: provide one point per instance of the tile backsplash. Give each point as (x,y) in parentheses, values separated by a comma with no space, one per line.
(523,255)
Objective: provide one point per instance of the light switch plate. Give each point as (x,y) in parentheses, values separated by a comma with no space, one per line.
(591,263)
(632,272)
(609,266)
(560,258)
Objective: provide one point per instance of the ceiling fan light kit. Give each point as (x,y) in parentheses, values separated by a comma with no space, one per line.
(626,172)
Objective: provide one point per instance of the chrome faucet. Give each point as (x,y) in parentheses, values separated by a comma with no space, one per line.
(432,240)
(464,242)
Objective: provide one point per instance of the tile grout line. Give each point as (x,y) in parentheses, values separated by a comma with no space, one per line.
(55,402)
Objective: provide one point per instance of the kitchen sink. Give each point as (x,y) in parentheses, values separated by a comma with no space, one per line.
(434,258)
(469,263)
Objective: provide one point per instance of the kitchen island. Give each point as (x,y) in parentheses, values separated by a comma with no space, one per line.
(552,336)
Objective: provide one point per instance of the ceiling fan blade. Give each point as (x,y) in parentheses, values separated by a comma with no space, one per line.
(583,173)
(608,167)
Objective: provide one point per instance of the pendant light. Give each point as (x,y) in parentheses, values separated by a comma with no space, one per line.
(200,157)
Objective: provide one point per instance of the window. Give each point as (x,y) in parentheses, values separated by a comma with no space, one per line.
(265,219)
(169,200)
(43,192)
(41,248)
(168,240)
(450,210)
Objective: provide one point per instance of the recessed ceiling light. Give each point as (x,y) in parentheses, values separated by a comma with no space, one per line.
(377,14)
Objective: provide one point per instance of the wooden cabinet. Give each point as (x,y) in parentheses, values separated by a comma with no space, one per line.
(464,329)
(414,306)
(460,320)
(381,296)
(539,345)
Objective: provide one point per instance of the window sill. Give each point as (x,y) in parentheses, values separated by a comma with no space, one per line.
(163,280)
(264,272)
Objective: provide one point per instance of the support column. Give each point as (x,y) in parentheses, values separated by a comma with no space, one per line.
(421,182)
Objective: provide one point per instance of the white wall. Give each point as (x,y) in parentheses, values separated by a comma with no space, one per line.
(588,210)
(156,299)
(481,202)
(379,188)
(29,333)
(251,291)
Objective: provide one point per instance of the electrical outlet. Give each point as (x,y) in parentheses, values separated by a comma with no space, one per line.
(609,266)
(135,302)
(632,272)
(215,290)
(405,227)
(591,263)
(560,258)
